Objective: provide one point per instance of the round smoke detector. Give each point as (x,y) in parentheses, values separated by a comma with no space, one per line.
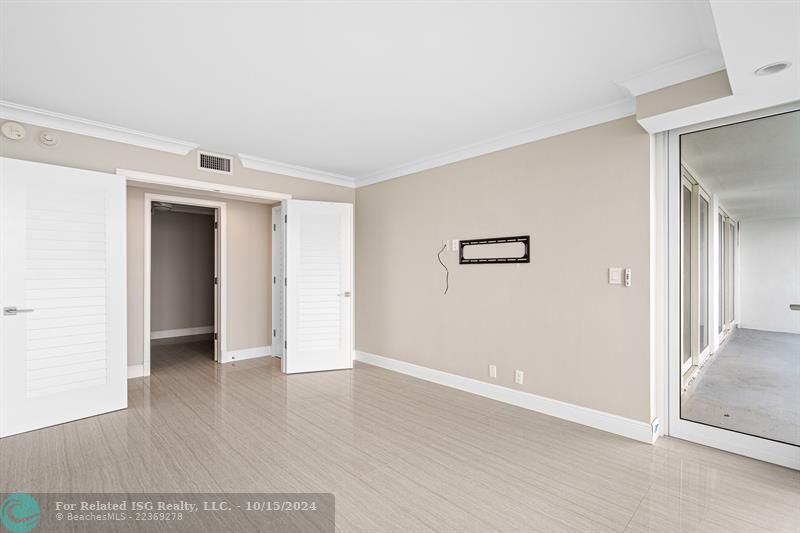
(13,131)
(49,139)
(772,68)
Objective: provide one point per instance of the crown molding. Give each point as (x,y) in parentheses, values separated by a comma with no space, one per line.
(598,115)
(682,69)
(286,169)
(92,128)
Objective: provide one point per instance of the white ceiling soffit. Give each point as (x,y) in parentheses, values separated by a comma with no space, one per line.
(751,35)
(327,90)
(91,128)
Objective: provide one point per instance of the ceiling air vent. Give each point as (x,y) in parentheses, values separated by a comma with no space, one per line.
(214,163)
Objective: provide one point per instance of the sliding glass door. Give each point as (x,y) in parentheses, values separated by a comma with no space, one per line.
(734,254)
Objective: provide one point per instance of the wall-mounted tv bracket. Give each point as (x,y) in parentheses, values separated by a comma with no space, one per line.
(524,258)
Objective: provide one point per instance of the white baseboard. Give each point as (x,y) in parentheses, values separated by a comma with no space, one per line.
(247,353)
(184,332)
(626,427)
(135,371)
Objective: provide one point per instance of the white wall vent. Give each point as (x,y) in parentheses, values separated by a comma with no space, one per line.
(214,162)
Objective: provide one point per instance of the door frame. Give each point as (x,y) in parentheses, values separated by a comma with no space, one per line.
(220,263)
(748,445)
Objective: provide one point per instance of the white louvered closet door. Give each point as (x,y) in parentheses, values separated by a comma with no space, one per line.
(319,285)
(62,266)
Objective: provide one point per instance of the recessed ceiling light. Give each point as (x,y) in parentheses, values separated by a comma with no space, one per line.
(773,68)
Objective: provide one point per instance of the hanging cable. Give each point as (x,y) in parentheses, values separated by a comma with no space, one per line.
(447,271)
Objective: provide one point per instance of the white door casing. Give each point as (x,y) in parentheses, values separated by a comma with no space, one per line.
(319,286)
(278,283)
(62,254)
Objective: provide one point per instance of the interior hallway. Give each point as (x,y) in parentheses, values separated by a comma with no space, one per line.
(399,453)
(750,385)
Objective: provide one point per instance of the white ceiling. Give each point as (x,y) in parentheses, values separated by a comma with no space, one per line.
(753,166)
(351,88)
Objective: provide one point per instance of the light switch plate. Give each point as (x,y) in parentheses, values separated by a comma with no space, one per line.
(615,276)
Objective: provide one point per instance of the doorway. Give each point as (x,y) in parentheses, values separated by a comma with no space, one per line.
(185,257)
(734,248)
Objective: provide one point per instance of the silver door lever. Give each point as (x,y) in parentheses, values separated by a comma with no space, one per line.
(346,294)
(11,311)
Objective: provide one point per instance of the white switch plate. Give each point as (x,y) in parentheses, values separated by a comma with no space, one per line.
(492,371)
(519,377)
(615,276)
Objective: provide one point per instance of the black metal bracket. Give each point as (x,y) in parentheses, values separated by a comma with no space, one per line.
(525,258)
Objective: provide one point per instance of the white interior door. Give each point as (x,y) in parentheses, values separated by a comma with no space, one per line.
(319,286)
(62,290)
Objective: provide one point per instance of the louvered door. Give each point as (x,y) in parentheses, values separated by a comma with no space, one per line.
(319,285)
(62,290)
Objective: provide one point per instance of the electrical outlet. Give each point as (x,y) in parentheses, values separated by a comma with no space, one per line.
(519,377)
(492,371)
(455,245)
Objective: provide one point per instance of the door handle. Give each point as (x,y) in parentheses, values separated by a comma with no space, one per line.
(346,294)
(12,311)
(794,307)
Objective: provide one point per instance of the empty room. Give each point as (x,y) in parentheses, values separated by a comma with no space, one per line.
(367,266)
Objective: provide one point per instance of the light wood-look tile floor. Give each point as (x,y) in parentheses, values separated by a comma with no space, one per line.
(399,454)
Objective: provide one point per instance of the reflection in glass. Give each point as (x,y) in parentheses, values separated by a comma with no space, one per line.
(743,373)
(686,245)
(703,274)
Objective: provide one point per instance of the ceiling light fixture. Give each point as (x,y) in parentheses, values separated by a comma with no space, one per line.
(773,68)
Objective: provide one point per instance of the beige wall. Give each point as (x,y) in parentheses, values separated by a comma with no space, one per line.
(249,238)
(584,199)
(80,151)
(692,92)
(182,272)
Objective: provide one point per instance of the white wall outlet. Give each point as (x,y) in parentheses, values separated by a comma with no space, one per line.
(492,371)
(627,277)
(519,377)
(615,276)
(455,245)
